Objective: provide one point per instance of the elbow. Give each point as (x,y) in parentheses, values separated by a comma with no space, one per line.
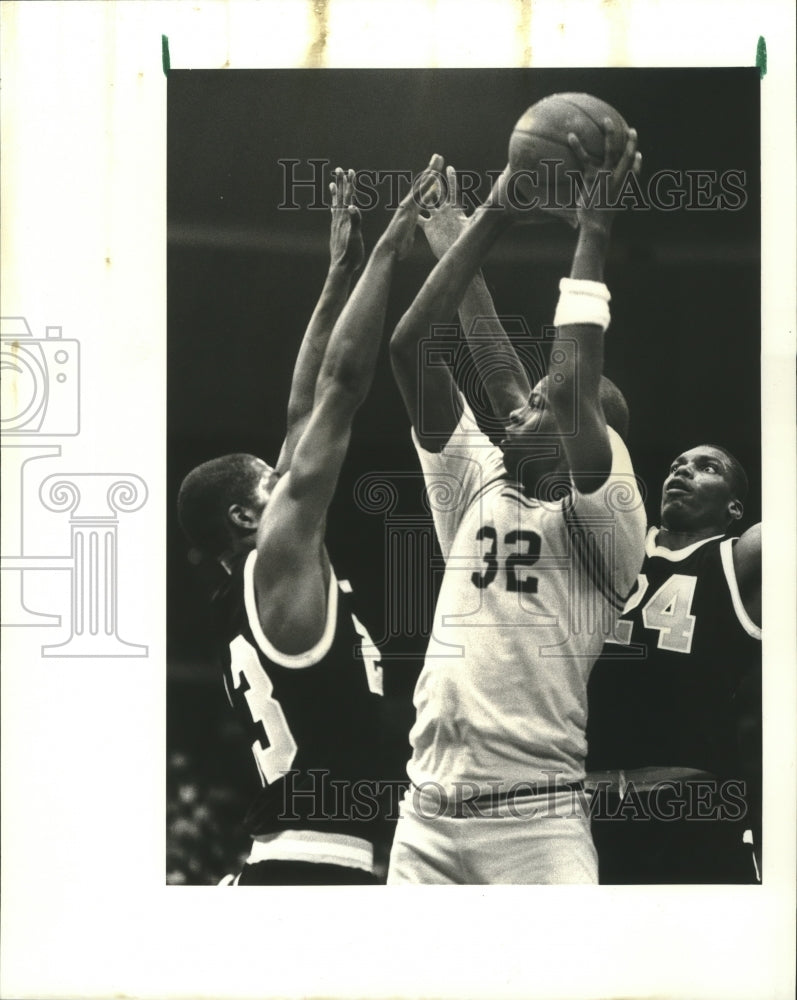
(564,400)
(345,388)
(398,341)
(344,374)
(400,347)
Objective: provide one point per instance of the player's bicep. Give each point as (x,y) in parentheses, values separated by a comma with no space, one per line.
(288,530)
(589,452)
(428,390)
(574,374)
(294,518)
(618,503)
(747,569)
(320,454)
(747,556)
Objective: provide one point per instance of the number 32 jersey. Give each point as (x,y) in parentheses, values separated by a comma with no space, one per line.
(312,718)
(663,692)
(530,591)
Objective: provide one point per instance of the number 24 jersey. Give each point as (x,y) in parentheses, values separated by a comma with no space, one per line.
(663,691)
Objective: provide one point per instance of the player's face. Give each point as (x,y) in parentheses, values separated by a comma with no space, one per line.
(531,444)
(698,491)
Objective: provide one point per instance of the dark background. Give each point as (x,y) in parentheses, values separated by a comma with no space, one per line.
(244,275)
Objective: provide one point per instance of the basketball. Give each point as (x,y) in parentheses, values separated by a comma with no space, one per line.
(541,134)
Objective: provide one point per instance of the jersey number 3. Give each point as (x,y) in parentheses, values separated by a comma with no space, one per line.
(275,759)
(669,611)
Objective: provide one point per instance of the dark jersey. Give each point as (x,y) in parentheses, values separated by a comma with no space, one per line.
(312,718)
(665,694)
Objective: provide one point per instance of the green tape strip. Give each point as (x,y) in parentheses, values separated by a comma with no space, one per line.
(761,57)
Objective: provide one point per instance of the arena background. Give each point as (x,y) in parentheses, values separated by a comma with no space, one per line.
(243,278)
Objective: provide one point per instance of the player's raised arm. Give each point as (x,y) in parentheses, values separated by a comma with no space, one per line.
(346,254)
(494,356)
(437,301)
(582,317)
(291,570)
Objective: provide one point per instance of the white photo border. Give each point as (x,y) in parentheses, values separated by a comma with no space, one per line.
(85,911)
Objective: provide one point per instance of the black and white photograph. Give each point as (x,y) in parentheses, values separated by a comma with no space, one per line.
(398,479)
(579,345)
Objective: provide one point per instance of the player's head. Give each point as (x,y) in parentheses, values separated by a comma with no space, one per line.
(221,501)
(532,445)
(704,489)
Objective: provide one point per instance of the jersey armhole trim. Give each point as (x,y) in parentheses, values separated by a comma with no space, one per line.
(592,560)
(747,623)
(296,661)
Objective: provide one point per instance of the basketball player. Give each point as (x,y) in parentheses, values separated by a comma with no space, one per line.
(298,665)
(532,575)
(674,701)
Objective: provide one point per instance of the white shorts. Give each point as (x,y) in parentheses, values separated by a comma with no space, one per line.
(543,840)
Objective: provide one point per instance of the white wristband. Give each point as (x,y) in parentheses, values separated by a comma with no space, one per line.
(582,301)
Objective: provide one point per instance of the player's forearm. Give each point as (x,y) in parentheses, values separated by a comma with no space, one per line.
(580,364)
(576,365)
(310,357)
(499,367)
(590,256)
(444,289)
(349,362)
(314,343)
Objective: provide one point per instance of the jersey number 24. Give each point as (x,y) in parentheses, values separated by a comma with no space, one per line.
(669,611)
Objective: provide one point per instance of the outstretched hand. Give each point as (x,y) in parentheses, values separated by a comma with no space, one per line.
(400,233)
(598,212)
(446,218)
(346,248)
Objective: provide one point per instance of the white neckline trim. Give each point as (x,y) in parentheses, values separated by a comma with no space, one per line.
(294,660)
(747,623)
(672,555)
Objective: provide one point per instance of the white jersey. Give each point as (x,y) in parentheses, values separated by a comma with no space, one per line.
(530,593)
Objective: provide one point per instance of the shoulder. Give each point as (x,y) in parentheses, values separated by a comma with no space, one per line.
(741,561)
(747,552)
(747,569)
